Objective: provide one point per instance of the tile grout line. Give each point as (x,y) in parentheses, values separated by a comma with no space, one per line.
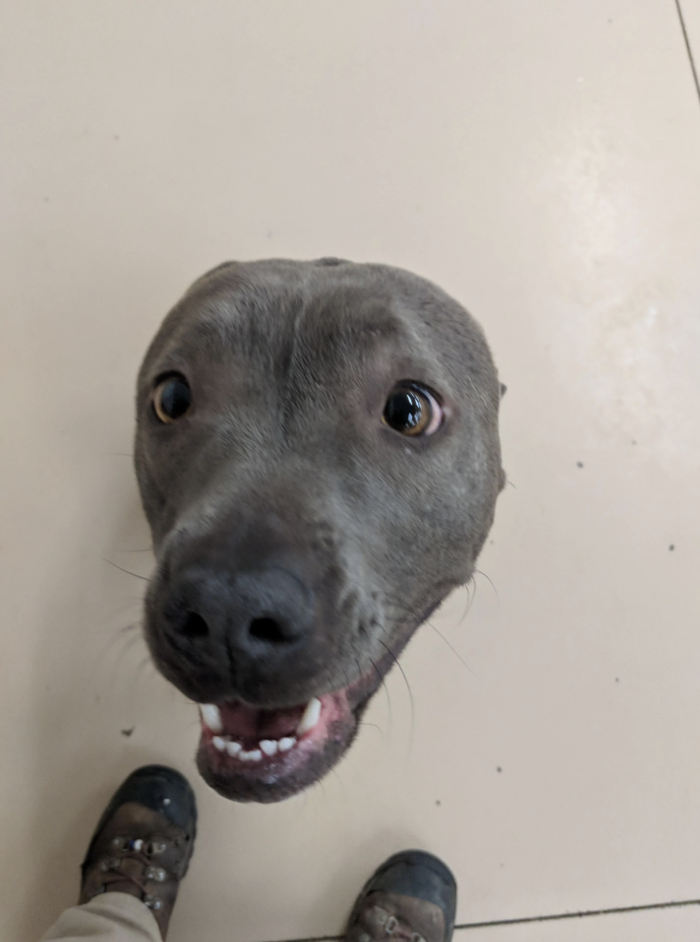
(688,47)
(581,914)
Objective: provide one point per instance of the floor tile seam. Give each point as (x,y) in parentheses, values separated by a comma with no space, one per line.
(523,920)
(689,48)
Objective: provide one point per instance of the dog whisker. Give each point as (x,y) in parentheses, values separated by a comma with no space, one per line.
(130,643)
(124,638)
(489,580)
(143,665)
(127,571)
(410,697)
(470,588)
(374,726)
(454,650)
(386,691)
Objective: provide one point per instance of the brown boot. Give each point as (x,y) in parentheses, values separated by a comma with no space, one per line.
(411,897)
(144,841)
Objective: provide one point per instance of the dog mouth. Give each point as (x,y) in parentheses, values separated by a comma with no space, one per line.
(248,753)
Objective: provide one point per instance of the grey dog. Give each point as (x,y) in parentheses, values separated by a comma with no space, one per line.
(318,457)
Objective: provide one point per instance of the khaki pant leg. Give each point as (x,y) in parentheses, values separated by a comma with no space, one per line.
(110,917)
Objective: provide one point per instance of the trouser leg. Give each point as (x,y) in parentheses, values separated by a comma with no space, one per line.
(110,917)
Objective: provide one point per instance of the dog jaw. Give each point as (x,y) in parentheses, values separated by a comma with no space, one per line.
(242,767)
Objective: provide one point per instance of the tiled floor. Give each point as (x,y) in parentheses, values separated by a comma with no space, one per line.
(667,925)
(539,160)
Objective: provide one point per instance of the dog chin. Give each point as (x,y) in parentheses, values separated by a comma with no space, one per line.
(251,754)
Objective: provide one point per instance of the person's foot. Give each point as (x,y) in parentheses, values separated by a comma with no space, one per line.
(144,841)
(412,896)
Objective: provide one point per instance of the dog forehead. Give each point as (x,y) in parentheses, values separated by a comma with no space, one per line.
(329,309)
(329,318)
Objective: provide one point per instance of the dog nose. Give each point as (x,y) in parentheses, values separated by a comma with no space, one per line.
(260,616)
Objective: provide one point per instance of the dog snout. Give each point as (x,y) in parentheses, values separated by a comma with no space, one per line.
(241,609)
(257,619)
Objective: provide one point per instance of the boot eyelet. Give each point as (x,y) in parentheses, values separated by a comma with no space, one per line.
(153,848)
(390,925)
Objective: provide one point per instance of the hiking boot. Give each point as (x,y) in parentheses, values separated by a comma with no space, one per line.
(144,841)
(411,897)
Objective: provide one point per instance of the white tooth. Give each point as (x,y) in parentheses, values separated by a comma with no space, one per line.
(310,717)
(255,755)
(268,746)
(219,743)
(211,716)
(233,748)
(285,744)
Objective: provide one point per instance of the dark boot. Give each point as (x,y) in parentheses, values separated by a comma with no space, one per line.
(144,841)
(411,897)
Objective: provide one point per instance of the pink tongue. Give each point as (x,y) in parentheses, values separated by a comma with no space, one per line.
(250,723)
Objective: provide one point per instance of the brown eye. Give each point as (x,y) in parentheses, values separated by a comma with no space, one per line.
(172,398)
(412,410)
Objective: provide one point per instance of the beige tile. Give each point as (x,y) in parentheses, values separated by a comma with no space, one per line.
(679,925)
(690,17)
(540,161)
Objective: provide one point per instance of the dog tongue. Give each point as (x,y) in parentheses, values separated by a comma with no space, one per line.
(251,723)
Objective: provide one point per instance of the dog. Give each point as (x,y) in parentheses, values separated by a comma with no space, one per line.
(318,457)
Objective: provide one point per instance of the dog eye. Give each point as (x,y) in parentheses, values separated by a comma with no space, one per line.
(412,410)
(172,398)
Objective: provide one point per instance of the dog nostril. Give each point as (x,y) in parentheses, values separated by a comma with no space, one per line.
(195,626)
(267,629)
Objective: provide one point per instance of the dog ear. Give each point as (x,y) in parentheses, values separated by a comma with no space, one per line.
(504,390)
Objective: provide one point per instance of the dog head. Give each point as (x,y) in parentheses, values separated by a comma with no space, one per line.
(318,457)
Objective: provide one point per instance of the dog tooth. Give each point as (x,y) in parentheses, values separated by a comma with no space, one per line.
(255,755)
(211,716)
(268,746)
(219,743)
(310,717)
(286,743)
(233,748)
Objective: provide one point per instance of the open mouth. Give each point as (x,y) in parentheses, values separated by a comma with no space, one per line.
(248,753)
